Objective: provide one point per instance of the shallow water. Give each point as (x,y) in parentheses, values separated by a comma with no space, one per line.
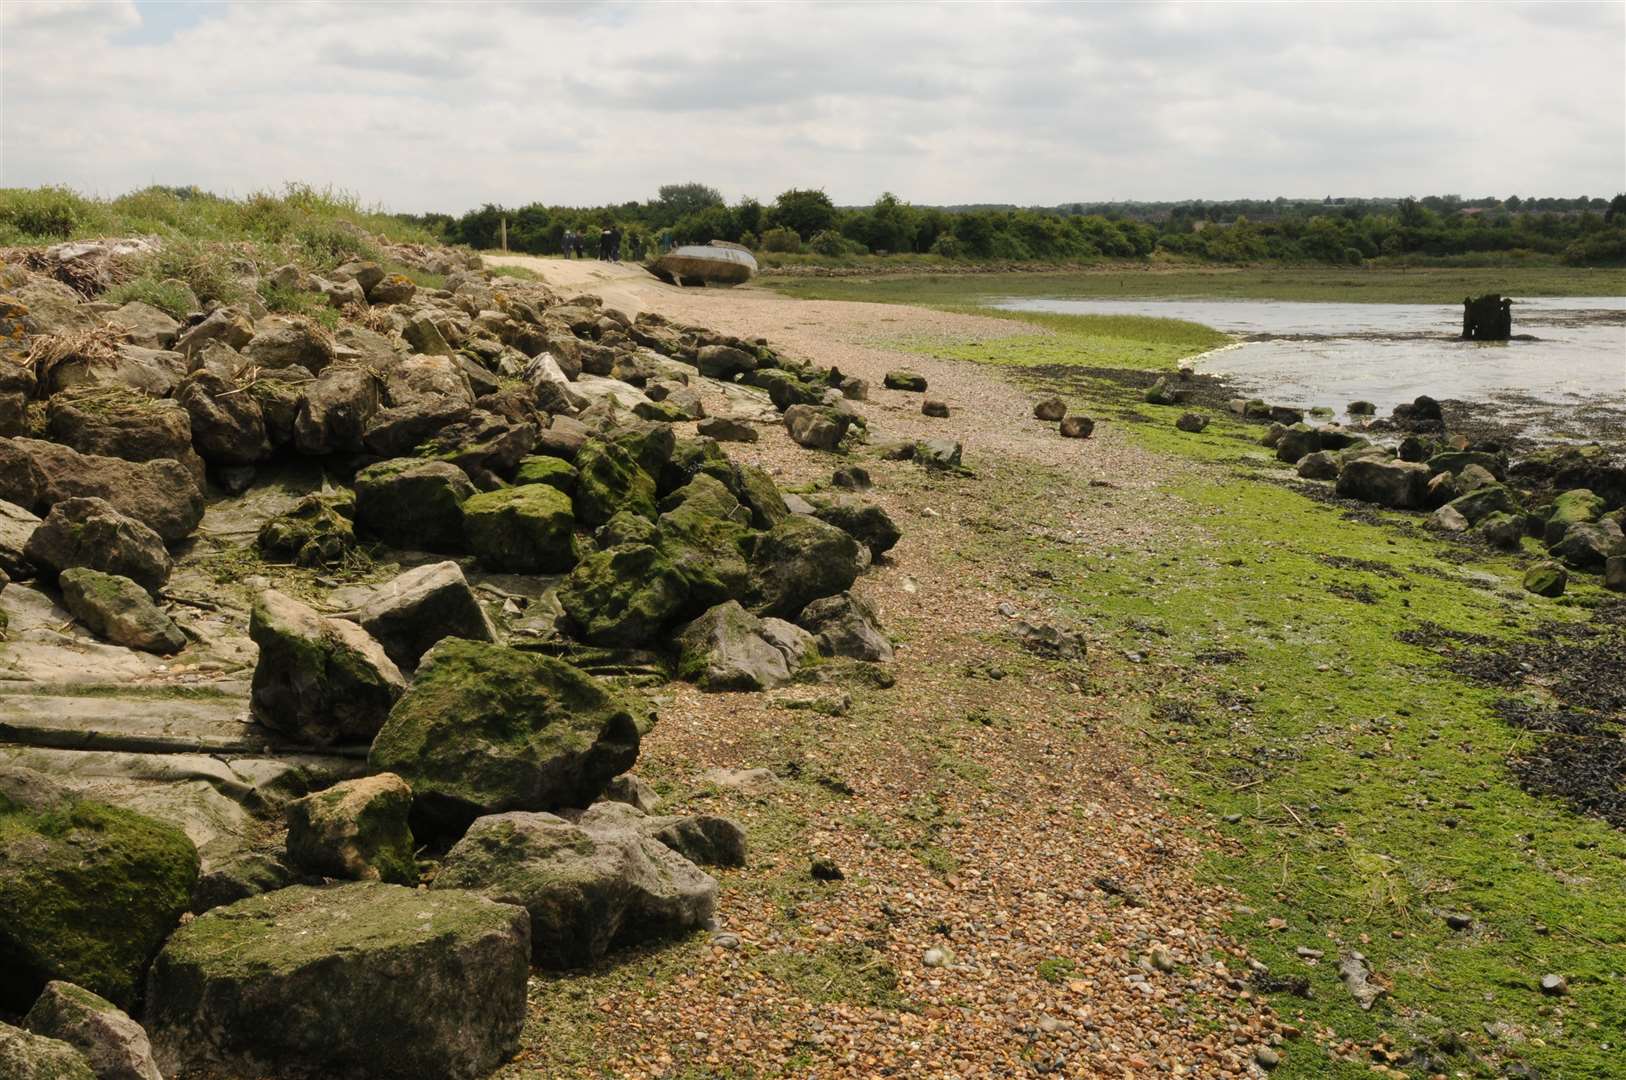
(1312,354)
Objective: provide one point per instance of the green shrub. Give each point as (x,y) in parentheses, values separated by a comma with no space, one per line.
(829,242)
(781,239)
(48,213)
(947,245)
(750,240)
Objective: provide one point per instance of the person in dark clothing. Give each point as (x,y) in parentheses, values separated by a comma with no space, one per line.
(565,243)
(576,241)
(604,245)
(615,243)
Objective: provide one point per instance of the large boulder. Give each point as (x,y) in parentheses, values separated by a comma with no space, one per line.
(355,830)
(863,521)
(817,427)
(726,648)
(118,610)
(335,410)
(124,424)
(90,533)
(424,395)
(1401,485)
(485,729)
(318,680)
(228,424)
(1589,545)
(227,325)
(114,1046)
(315,531)
(290,342)
(161,494)
(625,595)
(525,530)
(414,504)
(364,979)
(1482,502)
(1575,507)
(410,613)
(798,561)
(484,445)
(844,625)
(724,361)
(17,527)
(610,479)
(87,891)
(154,372)
(144,325)
(588,887)
(904,379)
(26,1056)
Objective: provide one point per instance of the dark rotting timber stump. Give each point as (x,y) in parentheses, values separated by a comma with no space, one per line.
(1487,318)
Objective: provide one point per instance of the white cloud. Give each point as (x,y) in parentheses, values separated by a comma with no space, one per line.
(445,106)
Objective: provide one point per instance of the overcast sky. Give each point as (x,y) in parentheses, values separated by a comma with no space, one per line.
(434,106)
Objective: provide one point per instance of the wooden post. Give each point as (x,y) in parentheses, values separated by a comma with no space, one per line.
(505,234)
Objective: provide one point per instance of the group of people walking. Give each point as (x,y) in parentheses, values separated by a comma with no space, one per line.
(609,244)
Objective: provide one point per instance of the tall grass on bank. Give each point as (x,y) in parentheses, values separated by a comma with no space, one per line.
(214,248)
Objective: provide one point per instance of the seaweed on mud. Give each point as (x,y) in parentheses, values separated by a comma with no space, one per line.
(1580,757)
(1359,592)
(1371,566)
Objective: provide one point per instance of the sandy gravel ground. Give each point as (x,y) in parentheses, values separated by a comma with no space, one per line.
(1006,855)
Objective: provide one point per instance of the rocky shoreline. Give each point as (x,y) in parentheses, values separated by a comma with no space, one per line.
(326,650)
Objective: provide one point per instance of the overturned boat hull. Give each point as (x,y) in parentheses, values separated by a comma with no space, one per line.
(696,264)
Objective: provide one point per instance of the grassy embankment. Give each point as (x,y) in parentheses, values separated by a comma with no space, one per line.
(207,239)
(1364,787)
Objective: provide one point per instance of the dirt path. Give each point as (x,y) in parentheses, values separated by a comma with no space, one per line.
(1018,895)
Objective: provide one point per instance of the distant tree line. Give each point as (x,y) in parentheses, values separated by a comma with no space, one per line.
(1580,231)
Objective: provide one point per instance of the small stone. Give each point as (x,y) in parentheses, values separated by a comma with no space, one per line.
(1076,427)
(1162,959)
(1458,920)
(1554,985)
(938,957)
(934,407)
(722,939)
(1192,422)
(1266,1057)
(1051,409)
(824,868)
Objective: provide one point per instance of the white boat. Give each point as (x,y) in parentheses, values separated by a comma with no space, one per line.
(717,263)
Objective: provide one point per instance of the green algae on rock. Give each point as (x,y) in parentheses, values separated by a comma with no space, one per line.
(485,728)
(88,892)
(364,979)
(526,530)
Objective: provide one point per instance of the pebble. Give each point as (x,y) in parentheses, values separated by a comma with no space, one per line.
(1554,985)
(824,868)
(1266,1057)
(1458,920)
(937,957)
(725,940)
(1162,959)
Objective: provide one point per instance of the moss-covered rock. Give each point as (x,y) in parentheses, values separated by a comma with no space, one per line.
(315,532)
(526,530)
(1546,578)
(695,457)
(864,521)
(115,1046)
(798,561)
(88,891)
(363,979)
(319,680)
(26,1056)
(708,551)
(414,504)
(116,609)
(904,379)
(1482,502)
(609,479)
(486,729)
(355,830)
(625,595)
(89,532)
(1576,507)
(626,528)
(542,469)
(756,489)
